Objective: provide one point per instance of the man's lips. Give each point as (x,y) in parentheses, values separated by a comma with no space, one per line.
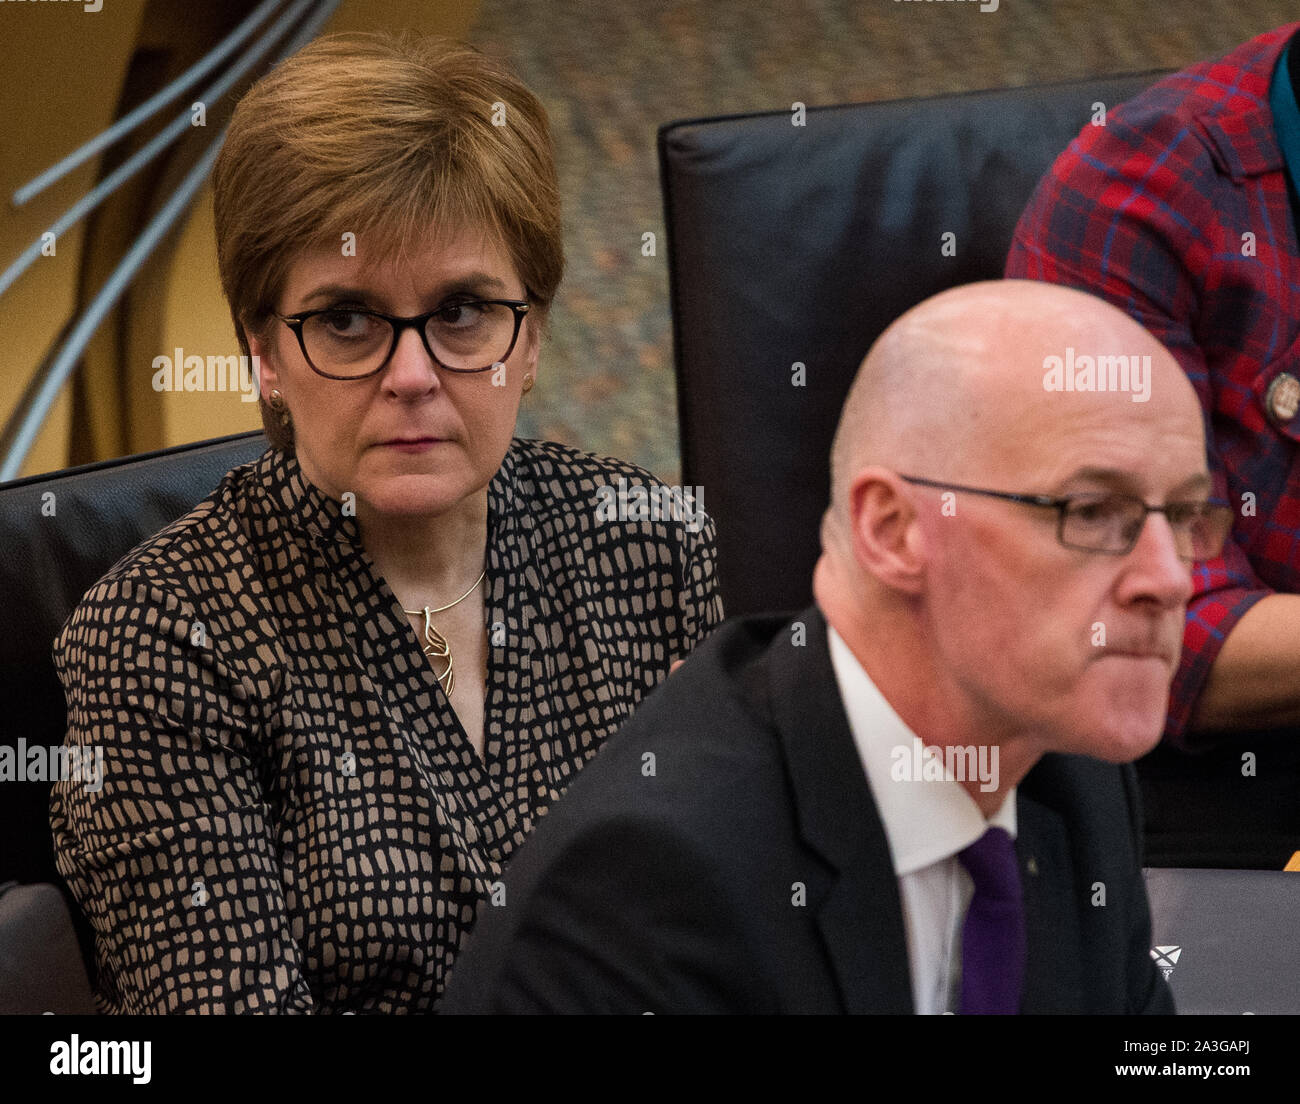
(1164,655)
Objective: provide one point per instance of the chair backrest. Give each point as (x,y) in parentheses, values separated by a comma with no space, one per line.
(61,533)
(41,967)
(797,245)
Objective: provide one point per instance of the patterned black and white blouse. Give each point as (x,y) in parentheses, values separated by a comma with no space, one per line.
(291,817)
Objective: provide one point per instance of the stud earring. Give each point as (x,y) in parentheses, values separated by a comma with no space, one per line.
(278,405)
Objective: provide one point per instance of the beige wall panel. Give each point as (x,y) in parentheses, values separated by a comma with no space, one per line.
(62,77)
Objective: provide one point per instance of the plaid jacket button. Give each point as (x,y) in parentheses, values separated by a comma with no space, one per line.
(1283,397)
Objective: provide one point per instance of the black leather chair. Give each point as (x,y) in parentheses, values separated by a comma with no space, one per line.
(800,244)
(796,245)
(62,532)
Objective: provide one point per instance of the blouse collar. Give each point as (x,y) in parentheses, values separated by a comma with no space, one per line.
(304,504)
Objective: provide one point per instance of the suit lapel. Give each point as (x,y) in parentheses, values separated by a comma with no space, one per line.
(861,917)
(1053,980)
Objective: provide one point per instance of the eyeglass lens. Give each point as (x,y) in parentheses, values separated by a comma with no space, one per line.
(466,336)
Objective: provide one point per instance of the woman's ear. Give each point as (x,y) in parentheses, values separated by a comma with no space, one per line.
(262,364)
(534,322)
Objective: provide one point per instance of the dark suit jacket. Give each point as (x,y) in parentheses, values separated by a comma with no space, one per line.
(722,853)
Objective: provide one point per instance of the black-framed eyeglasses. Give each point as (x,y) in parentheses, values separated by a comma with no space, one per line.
(1107,521)
(348,343)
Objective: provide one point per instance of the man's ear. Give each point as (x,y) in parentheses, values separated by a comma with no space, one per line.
(887,537)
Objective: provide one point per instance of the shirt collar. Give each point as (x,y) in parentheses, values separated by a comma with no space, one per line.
(1240,124)
(925,821)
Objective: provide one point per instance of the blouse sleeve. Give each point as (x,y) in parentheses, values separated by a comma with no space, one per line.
(701,604)
(168,846)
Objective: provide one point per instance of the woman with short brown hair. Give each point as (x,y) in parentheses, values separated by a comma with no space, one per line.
(337,695)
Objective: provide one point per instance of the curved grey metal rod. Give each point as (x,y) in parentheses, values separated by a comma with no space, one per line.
(155,145)
(132,119)
(22,430)
(74,345)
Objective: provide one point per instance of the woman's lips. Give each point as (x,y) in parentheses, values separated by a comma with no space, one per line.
(412,444)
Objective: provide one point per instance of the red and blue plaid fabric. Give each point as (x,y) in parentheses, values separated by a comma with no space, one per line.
(1176,210)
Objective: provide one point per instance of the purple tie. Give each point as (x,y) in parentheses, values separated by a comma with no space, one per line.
(993,936)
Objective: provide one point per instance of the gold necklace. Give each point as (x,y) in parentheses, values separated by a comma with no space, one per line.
(435,643)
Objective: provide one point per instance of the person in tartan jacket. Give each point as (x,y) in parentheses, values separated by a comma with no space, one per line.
(1180,207)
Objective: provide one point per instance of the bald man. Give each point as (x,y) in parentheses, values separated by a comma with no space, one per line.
(914,796)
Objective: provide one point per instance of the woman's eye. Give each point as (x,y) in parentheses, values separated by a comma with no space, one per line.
(460,315)
(345,323)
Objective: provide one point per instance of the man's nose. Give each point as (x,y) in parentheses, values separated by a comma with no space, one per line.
(1155,566)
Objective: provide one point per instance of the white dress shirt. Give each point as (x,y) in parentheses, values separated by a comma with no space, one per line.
(927,823)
